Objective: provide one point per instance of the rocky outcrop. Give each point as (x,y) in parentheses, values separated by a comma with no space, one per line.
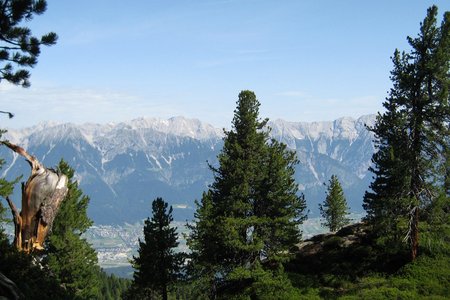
(344,238)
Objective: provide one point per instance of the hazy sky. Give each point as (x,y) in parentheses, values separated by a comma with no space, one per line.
(305,60)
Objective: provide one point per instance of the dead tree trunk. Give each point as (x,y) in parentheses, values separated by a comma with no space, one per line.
(8,289)
(42,195)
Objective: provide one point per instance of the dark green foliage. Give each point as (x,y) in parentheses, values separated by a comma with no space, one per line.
(411,165)
(33,281)
(202,241)
(70,257)
(425,278)
(258,283)
(18,48)
(334,209)
(6,189)
(329,260)
(248,220)
(72,215)
(157,266)
(435,230)
(334,269)
(112,287)
(279,209)
(446,167)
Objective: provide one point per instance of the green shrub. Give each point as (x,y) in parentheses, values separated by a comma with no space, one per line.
(430,275)
(333,242)
(381,293)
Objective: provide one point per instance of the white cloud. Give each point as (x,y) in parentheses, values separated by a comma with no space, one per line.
(49,103)
(35,105)
(45,102)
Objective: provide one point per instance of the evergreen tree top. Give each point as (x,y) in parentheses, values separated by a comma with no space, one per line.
(73,213)
(18,47)
(248,220)
(412,135)
(334,209)
(157,265)
(246,114)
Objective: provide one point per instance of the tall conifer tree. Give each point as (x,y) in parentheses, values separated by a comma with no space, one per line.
(278,208)
(412,134)
(334,210)
(70,257)
(248,220)
(157,266)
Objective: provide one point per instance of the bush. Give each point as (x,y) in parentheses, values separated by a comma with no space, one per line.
(382,293)
(333,242)
(427,277)
(430,275)
(258,283)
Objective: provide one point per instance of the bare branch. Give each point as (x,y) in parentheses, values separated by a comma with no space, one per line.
(17,219)
(13,207)
(410,225)
(36,166)
(42,195)
(10,115)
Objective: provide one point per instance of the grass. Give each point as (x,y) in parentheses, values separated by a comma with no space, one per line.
(364,270)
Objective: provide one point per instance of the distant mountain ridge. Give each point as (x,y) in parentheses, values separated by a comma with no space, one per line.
(124,166)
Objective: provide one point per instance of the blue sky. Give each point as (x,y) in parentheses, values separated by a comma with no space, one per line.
(305,60)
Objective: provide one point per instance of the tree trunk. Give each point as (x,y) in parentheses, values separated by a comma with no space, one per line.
(42,195)
(8,289)
(415,234)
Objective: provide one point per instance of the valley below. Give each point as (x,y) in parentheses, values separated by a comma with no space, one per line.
(123,167)
(116,244)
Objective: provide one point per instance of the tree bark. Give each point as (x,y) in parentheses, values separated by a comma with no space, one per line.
(415,234)
(42,195)
(9,289)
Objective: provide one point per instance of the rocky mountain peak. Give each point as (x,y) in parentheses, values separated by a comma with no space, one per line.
(125,165)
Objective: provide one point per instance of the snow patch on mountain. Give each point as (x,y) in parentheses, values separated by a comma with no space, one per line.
(122,166)
(343,128)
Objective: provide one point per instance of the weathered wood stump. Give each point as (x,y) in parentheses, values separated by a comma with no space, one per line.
(42,195)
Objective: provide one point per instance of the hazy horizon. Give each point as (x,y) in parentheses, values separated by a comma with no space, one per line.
(60,122)
(305,60)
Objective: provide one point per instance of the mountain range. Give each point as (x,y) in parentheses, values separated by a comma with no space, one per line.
(124,166)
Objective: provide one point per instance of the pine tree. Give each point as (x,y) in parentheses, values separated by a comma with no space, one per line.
(112,287)
(204,246)
(446,166)
(411,135)
(70,257)
(278,208)
(18,48)
(334,209)
(236,181)
(157,266)
(387,201)
(248,220)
